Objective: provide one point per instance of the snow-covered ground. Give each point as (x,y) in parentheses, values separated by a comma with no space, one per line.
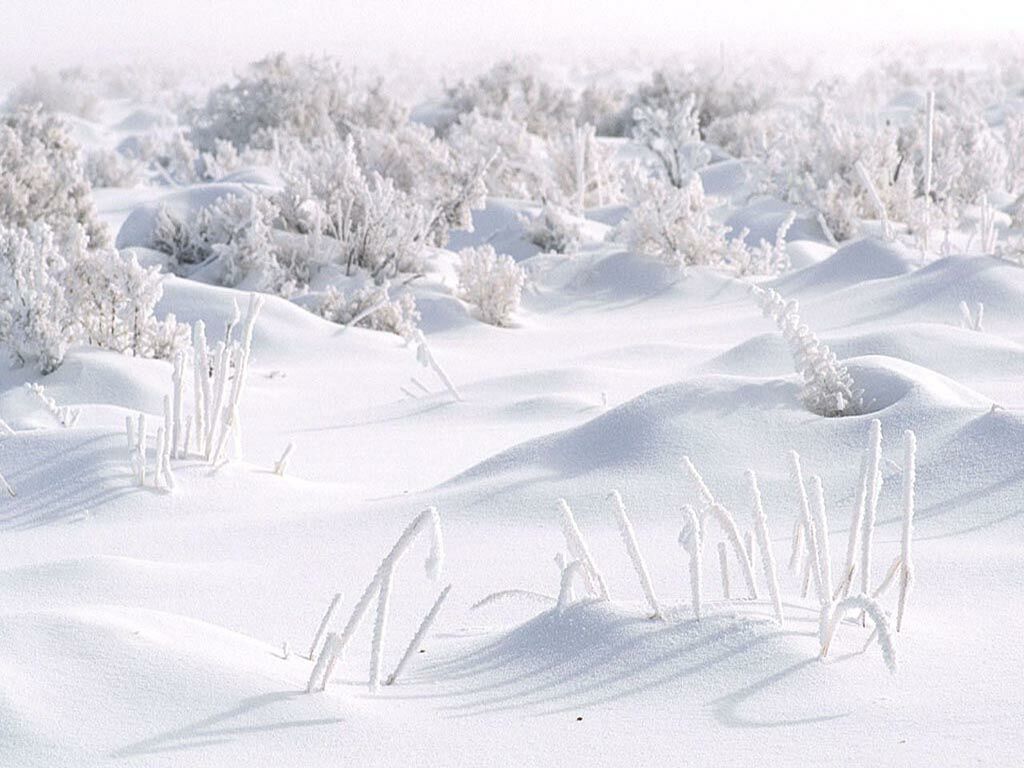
(146,627)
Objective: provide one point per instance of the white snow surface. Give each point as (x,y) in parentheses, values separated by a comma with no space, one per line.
(140,628)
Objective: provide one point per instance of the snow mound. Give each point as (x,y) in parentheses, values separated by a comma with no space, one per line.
(888,381)
(851,265)
(934,293)
(763,217)
(195,682)
(138,228)
(924,344)
(595,653)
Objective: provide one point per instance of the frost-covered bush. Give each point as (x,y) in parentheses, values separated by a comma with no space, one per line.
(371,307)
(172,157)
(110,168)
(553,229)
(716,97)
(301,97)
(70,90)
(444,185)
(675,225)
(493,283)
(41,176)
(673,136)
(828,387)
(235,230)
(370,222)
(511,90)
(514,157)
(583,170)
(55,291)
(766,258)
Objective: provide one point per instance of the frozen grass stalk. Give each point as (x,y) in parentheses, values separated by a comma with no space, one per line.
(690,540)
(906,561)
(764,543)
(379,628)
(870,456)
(876,200)
(178,380)
(426,359)
(566,595)
(629,539)
(578,549)
(810,534)
(873,484)
(282,463)
(723,566)
(732,533)
(831,615)
(325,622)
(428,520)
(821,533)
(421,633)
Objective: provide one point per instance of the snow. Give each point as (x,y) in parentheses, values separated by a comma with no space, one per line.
(140,627)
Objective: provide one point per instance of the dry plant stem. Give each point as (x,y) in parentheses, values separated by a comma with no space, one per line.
(809,530)
(421,633)
(906,560)
(578,549)
(633,550)
(325,622)
(723,566)
(764,543)
(690,539)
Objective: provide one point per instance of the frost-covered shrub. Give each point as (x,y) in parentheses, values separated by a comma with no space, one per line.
(237,232)
(766,258)
(110,168)
(372,224)
(41,176)
(553,229)
(673,136)
(716,97)
(444,185)
(511,90)
(675,225)
(513,156)
(70,90)
(55,291)
(35,319)
(174,159)
(828,387)
(371,307)
(583,170)
(301,97)
(493,283)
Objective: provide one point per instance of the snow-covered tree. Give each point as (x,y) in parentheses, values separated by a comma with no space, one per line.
(492,283)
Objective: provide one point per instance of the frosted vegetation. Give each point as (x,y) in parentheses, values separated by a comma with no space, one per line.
(436,238)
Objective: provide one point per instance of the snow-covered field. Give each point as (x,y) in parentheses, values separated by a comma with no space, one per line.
(147,625)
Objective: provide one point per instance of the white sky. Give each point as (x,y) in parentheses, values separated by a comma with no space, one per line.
(50,33)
